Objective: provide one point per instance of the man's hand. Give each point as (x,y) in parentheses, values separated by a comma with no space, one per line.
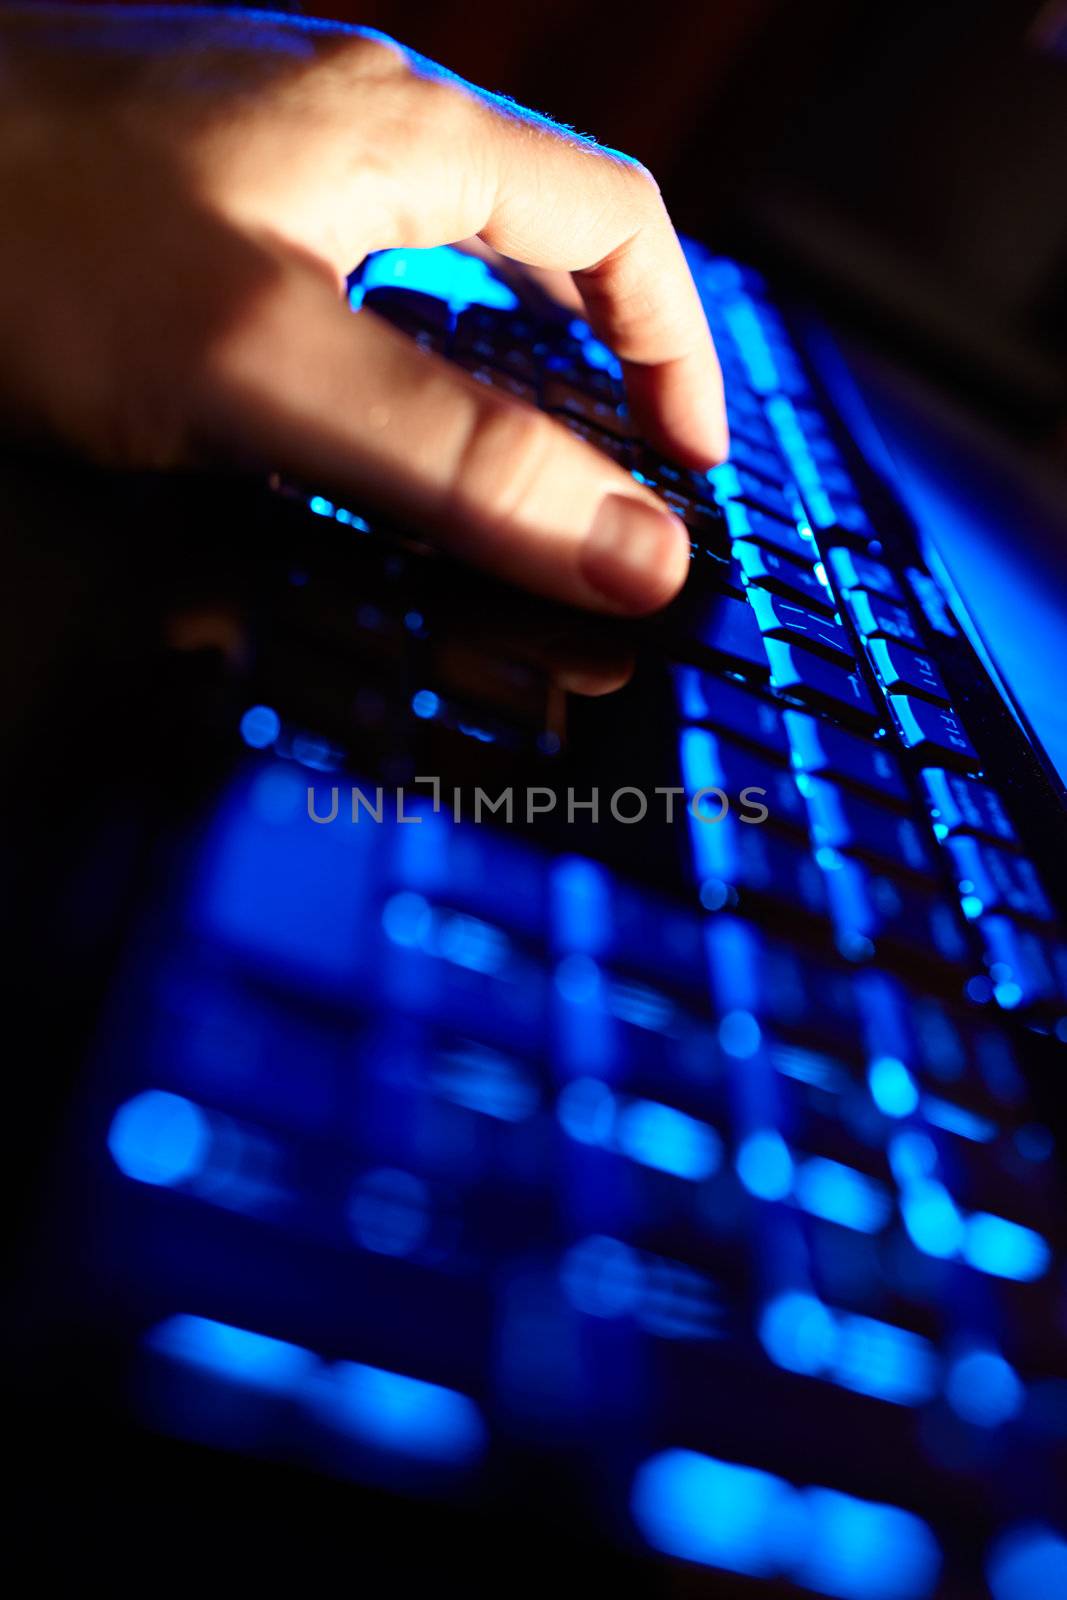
(183,194)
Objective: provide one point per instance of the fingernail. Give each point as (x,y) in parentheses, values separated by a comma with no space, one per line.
(635,555)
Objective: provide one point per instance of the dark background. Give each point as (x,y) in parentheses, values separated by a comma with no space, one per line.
(910,160)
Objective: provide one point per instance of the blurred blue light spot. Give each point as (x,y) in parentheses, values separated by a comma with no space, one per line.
(581,900)
(260,726)
(934,1225)
(469,942)
(234,1353)
(485,1081)
(1033,1142)
(1028,1563)
(321,507)
(840,1194)
(892,1087)
(957,1119)
(714,1512)
(739,1034)
(602,1276)
(159,1138)
(668,1140)
(402,1415)
(765,1165)
(407,919)
(884,1361)
(586,1111)
(578,979)
(1004,1249)
(798,1333)
(425,704)
(858,1550)
(982,1388)
(389,1211)
(912,1156)
(442,271)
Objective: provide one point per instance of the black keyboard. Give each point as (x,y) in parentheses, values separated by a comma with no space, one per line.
(625,1120)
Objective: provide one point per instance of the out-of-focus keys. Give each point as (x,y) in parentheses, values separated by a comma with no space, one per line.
(664,475)
(710,762)
(763,460)
(744,522)
(500,378)
(770,570)
(997,880)
(752,858)
(933,732)
(1025,969)
(854,570)
(818,683)
(409,309)
(963,805)
(820,748)
(859,827)
(598,412)
(870,911)
(876,617)
(784,619)
(726,706)
(903,671)
(706,523)
(616,448)
(736,483)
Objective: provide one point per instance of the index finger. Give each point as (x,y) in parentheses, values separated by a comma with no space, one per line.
(472,163)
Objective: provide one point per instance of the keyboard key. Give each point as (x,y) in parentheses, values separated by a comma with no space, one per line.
(726,706)
(869,909)
(820,748)
(761,459)
(771,570)
(499,378)
(859,827)
(744,522)
(608,414)
(409,309)
(997,880)
(855,571)
(784,619)
(611,446)
(570,367)
(665,475)
(963,805)
(710,762)
(836,514)
(903,671)
(706,523)
(934,732)
(1021,964)
(735,483)
(877,617)
(721,626)
(819,683)
(752,858)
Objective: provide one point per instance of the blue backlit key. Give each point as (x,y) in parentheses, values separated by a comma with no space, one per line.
(934,732)
(737,483)
(821,748)
(997,880)
(963,805)
(769,569)
(745,522)
(726,628)
(751,857)
(859,827)
(1020,962)
(710,762)
(877,617)
(598,411)
(761,459)
(726,706)
(871,910)
(903,671)
(855,571)
(816,682)
(784,619)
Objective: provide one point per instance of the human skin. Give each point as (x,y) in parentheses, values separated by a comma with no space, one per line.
(183,194)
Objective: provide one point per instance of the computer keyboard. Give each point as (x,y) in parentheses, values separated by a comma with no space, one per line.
(681,1180)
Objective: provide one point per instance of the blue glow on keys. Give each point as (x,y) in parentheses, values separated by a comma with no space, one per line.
(1004,1249)
(933,1222)
(892,1087)
(235,1354)
(765,1166)
(798,1333)
(1028,1563)
(840,1194)
(658,1136)
(260,726)
(741,1519)
(402,1415)
(983,1388)
(159,1138)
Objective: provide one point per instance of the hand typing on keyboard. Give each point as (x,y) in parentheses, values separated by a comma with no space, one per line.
(183,196)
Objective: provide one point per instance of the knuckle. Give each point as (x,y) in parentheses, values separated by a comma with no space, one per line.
(508,447)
